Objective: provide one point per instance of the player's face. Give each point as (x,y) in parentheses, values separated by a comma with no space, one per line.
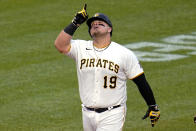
(99,28)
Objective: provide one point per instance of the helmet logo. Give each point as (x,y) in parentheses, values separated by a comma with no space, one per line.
(97,14)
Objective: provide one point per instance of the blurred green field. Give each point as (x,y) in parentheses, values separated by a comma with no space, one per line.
(38,85)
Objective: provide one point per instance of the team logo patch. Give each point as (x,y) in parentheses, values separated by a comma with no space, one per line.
(88,49)
(97,14)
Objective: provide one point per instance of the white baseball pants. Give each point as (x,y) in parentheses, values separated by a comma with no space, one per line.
(110,120)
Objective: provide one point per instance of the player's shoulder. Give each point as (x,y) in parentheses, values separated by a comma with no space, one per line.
(81,43)
(122,49)
(78,41)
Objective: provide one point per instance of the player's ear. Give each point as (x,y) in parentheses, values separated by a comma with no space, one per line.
(109,29)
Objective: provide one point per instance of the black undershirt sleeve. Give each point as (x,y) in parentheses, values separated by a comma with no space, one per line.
(145,89)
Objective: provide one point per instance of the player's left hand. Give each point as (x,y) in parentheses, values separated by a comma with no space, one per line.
(154,114)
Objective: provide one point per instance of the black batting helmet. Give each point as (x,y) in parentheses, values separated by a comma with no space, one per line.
(99,16)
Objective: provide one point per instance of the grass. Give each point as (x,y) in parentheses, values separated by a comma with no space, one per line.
(38,86)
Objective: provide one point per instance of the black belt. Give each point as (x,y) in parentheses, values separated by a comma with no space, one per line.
(100,110)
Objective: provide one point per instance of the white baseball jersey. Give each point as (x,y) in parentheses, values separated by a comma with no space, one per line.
(102,74)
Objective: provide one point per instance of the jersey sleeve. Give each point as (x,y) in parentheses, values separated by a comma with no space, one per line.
(133,68)
(73,52)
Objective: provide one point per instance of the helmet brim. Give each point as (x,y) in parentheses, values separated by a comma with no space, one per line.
(89,21)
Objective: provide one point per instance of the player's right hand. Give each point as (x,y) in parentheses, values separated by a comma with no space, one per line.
(154,114)
(80,17)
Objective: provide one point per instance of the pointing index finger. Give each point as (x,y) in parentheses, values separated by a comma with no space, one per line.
(85,5)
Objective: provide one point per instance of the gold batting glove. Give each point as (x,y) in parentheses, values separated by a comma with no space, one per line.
(153,113)
(80,17)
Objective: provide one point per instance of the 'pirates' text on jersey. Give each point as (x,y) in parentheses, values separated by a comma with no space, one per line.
(102,73)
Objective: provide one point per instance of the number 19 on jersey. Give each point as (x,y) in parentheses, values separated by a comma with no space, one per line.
(110,81)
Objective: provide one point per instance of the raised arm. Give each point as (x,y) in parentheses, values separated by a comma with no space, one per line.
(62,42)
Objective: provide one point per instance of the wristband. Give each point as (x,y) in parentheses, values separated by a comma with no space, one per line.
(70,29)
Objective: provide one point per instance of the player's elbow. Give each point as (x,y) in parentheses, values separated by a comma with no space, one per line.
(58,47)
(62,42)
(61,47)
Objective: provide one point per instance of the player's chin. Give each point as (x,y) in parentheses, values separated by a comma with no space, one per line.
(98,34)
(95,34)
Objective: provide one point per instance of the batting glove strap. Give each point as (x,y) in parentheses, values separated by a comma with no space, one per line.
(154,107)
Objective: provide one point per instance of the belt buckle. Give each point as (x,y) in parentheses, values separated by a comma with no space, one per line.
(110,108)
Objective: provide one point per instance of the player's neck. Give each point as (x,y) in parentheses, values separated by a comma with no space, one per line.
(101,42)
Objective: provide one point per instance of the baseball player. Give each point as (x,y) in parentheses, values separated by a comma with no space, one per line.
(103,67)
